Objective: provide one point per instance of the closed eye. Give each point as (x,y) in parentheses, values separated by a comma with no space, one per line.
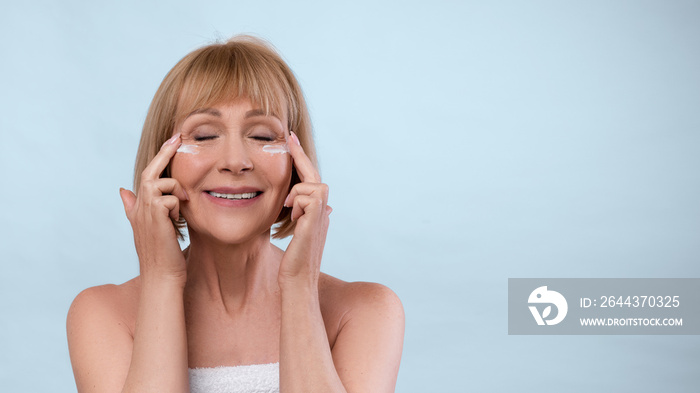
(205,138)
(263,138)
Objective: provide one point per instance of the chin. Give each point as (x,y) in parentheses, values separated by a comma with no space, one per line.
(231,232)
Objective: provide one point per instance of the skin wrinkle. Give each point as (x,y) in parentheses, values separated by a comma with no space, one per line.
(341,325)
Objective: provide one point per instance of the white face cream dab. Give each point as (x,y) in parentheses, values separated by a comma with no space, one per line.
(189,149)
(276,149)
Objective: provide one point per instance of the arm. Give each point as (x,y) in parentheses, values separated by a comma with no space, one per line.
(159,357)
(105,356)
(367,350)
(366,353)
(306,363)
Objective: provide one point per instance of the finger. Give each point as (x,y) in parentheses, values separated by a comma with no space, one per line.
(305,168)
(172,204)
(312,189)
(304,204)
(161,160)
(164,186)
(128,199)
(167,205)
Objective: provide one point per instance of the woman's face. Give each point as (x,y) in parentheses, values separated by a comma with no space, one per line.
(234,168)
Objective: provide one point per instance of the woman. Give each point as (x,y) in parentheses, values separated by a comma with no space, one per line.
(226,153)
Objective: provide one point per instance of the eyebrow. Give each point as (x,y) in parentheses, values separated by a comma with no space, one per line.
(260,112)
(254,113)
(216,113)
(208,111)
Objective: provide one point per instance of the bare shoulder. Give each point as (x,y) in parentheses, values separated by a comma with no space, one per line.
(366,304)
(104,304)
(358,296)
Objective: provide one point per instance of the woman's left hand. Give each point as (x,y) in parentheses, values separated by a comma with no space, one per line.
(302,260)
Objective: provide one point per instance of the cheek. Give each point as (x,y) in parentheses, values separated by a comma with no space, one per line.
(278,168)
(185,168)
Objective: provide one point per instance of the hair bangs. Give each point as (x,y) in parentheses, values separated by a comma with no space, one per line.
(225,73)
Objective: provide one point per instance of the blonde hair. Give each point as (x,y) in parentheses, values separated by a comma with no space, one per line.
(244,66)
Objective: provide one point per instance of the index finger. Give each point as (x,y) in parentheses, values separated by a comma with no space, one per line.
(305,168)
(161,160)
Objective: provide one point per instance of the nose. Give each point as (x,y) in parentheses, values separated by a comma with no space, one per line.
(235,157)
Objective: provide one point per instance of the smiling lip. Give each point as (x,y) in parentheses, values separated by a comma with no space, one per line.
(233,197)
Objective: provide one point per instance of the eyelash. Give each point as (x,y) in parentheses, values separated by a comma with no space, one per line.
(204,138)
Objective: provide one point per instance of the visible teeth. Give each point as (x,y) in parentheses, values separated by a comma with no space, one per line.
(245,195)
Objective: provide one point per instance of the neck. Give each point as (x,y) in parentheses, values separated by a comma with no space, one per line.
(237,275)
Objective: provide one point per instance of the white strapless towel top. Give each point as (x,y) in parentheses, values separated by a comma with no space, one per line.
(254,378)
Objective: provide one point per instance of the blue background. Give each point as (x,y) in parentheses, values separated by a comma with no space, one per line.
(463,143)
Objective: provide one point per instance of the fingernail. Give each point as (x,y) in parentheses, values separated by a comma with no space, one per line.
(286,200)
(295,138)
(121,189)
(171,140)
(187,197)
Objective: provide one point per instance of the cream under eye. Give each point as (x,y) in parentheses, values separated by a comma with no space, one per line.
(190,149)
(276,149)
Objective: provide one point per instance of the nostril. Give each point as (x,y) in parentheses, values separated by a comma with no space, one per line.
(236,166)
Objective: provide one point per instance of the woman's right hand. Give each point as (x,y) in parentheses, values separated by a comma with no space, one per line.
(149,212)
